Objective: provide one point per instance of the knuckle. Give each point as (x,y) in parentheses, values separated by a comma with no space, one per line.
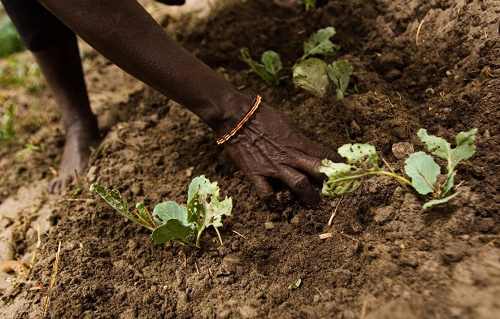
(301,183)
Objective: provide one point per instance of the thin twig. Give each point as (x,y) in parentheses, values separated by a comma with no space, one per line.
(55,269)
(418,31)
(218,234)
(75,200)
(335,212)
(363,311)
(197,269)
(234,231)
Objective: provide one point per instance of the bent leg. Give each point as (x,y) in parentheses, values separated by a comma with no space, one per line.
(61,67)
(55,49)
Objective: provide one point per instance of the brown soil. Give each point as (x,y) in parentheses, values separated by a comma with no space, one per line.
(387,257)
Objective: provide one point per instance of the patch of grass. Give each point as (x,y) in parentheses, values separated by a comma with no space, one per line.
(10,41)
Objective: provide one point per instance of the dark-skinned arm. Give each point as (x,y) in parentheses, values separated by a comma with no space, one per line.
(267,146)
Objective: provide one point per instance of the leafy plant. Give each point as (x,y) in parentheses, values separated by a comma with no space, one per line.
(7,130)
(311,75)
(319,44)
(270,67)
(340,72)
(309,4)
(362,164)
(169,220)
(10,41)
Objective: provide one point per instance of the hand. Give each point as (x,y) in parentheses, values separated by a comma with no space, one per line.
(269,145)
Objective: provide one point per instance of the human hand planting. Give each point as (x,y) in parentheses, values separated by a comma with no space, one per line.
(270,145)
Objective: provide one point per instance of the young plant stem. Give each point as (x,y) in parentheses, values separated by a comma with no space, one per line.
(379,172)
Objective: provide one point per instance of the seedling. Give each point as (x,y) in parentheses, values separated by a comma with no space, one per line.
(425,175)
(7,129)
(270,67)
(319,44)
(340,72)
(311,75)
(309,4)
(169,221)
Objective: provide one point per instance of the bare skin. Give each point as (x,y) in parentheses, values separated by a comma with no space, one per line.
(268,146)
(60,64)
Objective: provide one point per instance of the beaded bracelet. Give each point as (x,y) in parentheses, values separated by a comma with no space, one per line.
(227,136)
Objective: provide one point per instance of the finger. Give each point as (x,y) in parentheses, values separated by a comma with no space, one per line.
(264,190)
(309,165)
(299,184)
(323,152)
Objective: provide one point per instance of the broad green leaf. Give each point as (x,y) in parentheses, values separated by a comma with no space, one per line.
(423,171)
(272,62)
(173,229)
(118,202)
(204,207)
(340,72)
(439,201)
(439,147)
(258,68)
(364,155)
(342,178)
(319,43)
(311,76)
(165,211)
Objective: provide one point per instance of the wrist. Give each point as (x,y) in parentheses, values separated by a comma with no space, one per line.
(223,115)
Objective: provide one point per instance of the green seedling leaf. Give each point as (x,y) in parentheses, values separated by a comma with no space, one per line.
(272,62)
(78,191)
(165,211)
(423,172)
(311,76)
(174,230)
(267,71)
(364,155)
(296,284)
(439,201)
(342,178)
(309,4)
(340,72)
(319,44)
(442,149)
(116,200)
(204,208)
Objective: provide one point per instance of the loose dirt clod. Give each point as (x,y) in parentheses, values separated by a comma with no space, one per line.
(15,266)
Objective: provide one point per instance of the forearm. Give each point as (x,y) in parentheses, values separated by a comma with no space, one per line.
(126,34)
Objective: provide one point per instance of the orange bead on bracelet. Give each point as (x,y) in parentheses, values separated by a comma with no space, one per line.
(226,137)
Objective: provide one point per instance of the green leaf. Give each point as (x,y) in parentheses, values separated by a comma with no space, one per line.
(165,211)
(364,155)
(442,149)
(173,229)
(8,124)
(319,44)
(270,78)
(296,284)
(10,41)
(116,200)
(340,72)
(342,178)
(204,207)
(439,201)
(272,62)
(311,76)
(423,171)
